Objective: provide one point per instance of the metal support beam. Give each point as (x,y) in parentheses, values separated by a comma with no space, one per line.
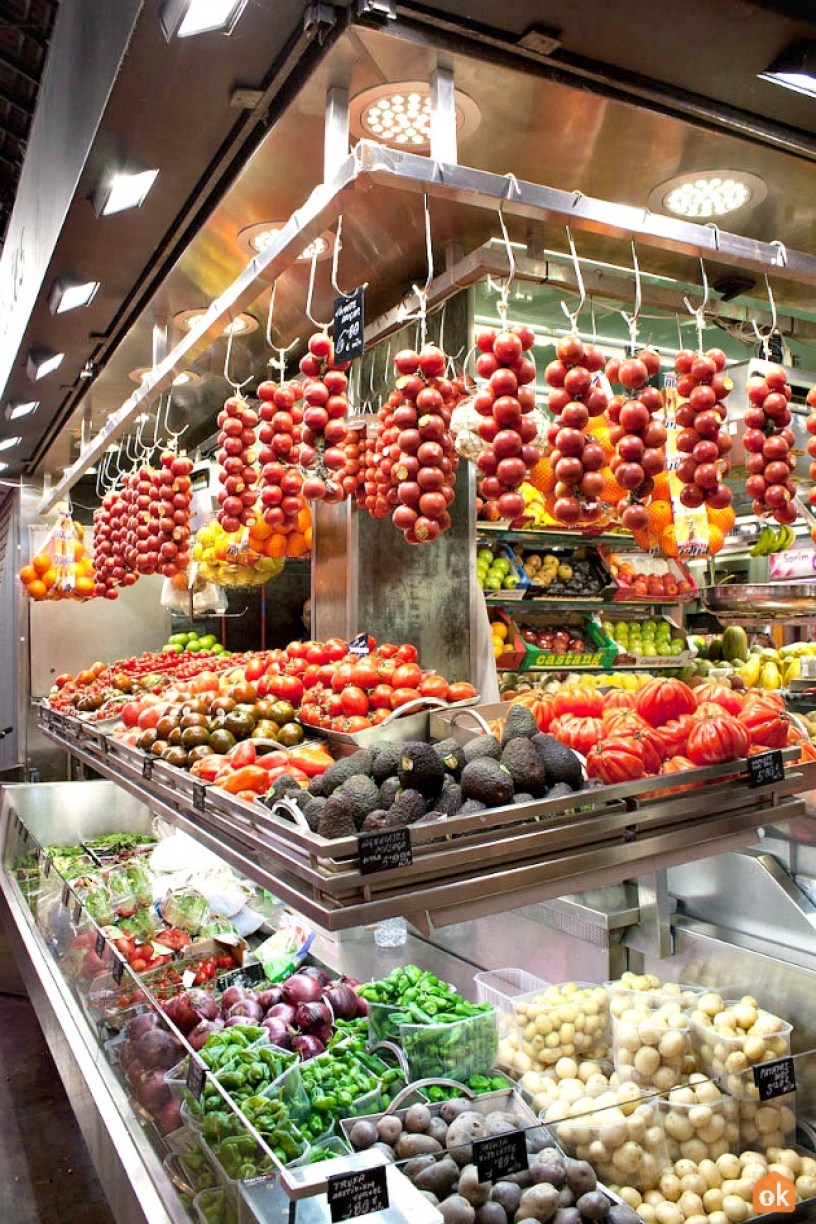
(443,117)
(336,131)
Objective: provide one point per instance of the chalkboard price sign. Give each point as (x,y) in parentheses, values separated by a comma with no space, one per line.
(385,851)
(357,1194)
(348,325)
(765,767)
(195,1077)
(500,1155)
(66,895)
(199,794)
(118,970)
(248,975)
(77,914)
(99,945)
(775,1079)
(147,767)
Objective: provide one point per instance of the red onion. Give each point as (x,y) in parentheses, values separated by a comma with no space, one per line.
(282,1011)
(278,1032)
(193,1006)
(307,1046)
(269,998)
(345,980)
(169,1117)
(134,1073)
(197,1038)
(312,1016)
(233,995)
(342,1000)
(315,971)
(142,1024)
(152,1091)
(302,988)
(158,1050)
(246,1009)
(362,1006)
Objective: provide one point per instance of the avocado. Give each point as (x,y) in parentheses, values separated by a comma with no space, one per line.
(450,801)
(470,807)
(389,790)
(336,819)
(283,786)
(312,808)
(374,820)
(522,797)
(519,723)
(386,761)
(526,767)
(560,763)
(361,795)
(421,769)
(560,791)
(452,755)
(487,781)
(482,746)
(408,807)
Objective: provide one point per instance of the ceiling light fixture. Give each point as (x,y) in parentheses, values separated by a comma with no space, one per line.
(400,115)
(8,443)
(69,294)
(14,411)
(708,193)
(185,378)
(794,68)
(41,362)
(185,18)
(256,238)
(122,190)
(242,324)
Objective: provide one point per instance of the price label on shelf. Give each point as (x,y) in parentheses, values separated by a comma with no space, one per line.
(385,851)
(46,865)
(66,895)
(349,324)
(199,796)
(766,767)
(775,1079)
(195,1077)
(147,767)
(500,1155)
(352,1195)
(118,970)
(77,914)
(99,945)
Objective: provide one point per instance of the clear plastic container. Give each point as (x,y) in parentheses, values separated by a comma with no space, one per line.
(216,1206)
(391,933)
(725,1048)
(501,987)
(766,1124)
(564,1020)
(700,1121)
(563,1082)
(650,1045)
(381,1026)
(453,1051)
(633,988)
(621,1136)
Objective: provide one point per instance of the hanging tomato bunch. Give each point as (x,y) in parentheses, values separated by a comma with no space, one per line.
(575,456)
(169,507)
(768,442)
(279,433)
(505,403)
(324,427)
(376,494)
(704,386)
(237,457)
(637,434)
(110,531)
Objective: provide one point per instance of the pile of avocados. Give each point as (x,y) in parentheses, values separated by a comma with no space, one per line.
(391,786)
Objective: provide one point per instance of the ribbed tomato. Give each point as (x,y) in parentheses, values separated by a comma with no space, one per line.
(765,721)
(578,699)
(540,706)
(730,700)
(677,764)
(617,759)
(714,740)
(658,701)
(621,716)
(617,699)
(578,733)
(673,735)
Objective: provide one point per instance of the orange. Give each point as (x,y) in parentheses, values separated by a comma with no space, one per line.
(662,487)
(79,529)
(84,586)
(645,540)
(600,435)
(37,589)
(296,545)
(307,535)
(660,516)
(260,530)
(28,574)
(612,492)
(41,562)
(724,519)
(716,539)
(86,567)
(668,541)
(79,551)
(304,519)
(275,546)
(542,476)
(49,578)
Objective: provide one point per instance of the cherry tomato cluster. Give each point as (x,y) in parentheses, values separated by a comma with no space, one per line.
(237,458)
(377,494)
(639,438)
(141,553)
(505,404)
(704,386)
(576,458)
(110,533)
(768,443)
(281,413)
(169,510)
(423,456)
(351,472)
(324,426)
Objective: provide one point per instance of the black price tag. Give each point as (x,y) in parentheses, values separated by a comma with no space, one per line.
(147,768)
(766,767)
(195,1077)
(118,970)
(103,743)
(775,1079)
(46,866)
(99,946)
(66,895)
(384,851)
(500,1155)
(249,975)
(359,646)
(199,795)
(349,323)
(77,914)
(357,1194)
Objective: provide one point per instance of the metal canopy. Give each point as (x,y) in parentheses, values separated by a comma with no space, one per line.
(372,167)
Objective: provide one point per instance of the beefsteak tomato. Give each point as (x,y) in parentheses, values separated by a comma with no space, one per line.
(578,699)
(730,700)
(616,759)
(712,741)
(659,701)
(540,706)
(765,721)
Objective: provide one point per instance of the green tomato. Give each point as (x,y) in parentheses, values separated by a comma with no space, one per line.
(676,647)
(178,639)
(485,554)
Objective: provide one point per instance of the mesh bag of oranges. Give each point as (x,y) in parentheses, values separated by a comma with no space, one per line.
(233,559)
(62,568)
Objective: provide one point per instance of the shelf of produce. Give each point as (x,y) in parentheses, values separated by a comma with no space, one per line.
(464,867)
(499,600)
(556,539)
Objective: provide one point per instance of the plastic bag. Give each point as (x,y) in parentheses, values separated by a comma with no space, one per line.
(230,559)
(62,568)
(207,597)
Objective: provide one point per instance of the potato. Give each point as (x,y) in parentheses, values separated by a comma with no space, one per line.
(457,1210)
(508,1194)
(498,1122)
(417,1119)
(415,1166)
(438,1130)
(363,1135)
(471,1188)
(389,1129)
(593,1206)
(452,1108)
(581,1177)
(538,1203)
(549,1165)
(416,1145)
(462,1131)
(491,1213)
(440,1177)
(567,1215)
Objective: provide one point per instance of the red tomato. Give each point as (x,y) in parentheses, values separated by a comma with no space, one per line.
(243,754)
(673,735)
(342,676)
(379,715)
(311,676)
(255,669)
(713,741)
(297,650)
(723,695)
(387,650)
(460,690)
(435,686)
(353,700)
(578,733)
(407,653)
(617,759)
(659,701)
(357,723)
(336,649)
(407,675)
(62,680)
(580,699)
(129,714)
(401,696)
(364,674)
(765,722)
(148,718)
(317,653)
(291,689)
(380,697)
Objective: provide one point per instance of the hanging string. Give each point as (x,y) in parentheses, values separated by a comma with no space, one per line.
(698,312)
(573,315)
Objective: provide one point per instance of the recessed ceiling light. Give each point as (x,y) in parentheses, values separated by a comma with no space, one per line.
(708,193)
(256,238)
(14,411)
(121,191)
(184,18)
(8,443)
(400,115)
(794,68)
(41,362)
(185,378)
(3,467)
(242,324)
(68,294)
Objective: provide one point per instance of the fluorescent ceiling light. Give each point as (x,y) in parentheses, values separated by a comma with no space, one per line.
(123,190)
(70,294)
(8,443)
(794,68)
(256,238)
(41,362)
(13,412)
(708,193)
(242,324)
(184,18)
(400,115)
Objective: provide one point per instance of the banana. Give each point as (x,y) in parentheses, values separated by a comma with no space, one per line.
(789,537)
(765,542)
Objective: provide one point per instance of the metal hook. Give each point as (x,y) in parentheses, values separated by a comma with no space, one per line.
(236,386)
(422,294)
(173,435)
(280,361)
(336,259)
(712,225)
(765,338)
(632,319)
(782,251)
(573,315)
(324,327)
(698,312)
(504,296)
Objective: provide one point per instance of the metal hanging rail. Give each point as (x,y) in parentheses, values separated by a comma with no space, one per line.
(371,165)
